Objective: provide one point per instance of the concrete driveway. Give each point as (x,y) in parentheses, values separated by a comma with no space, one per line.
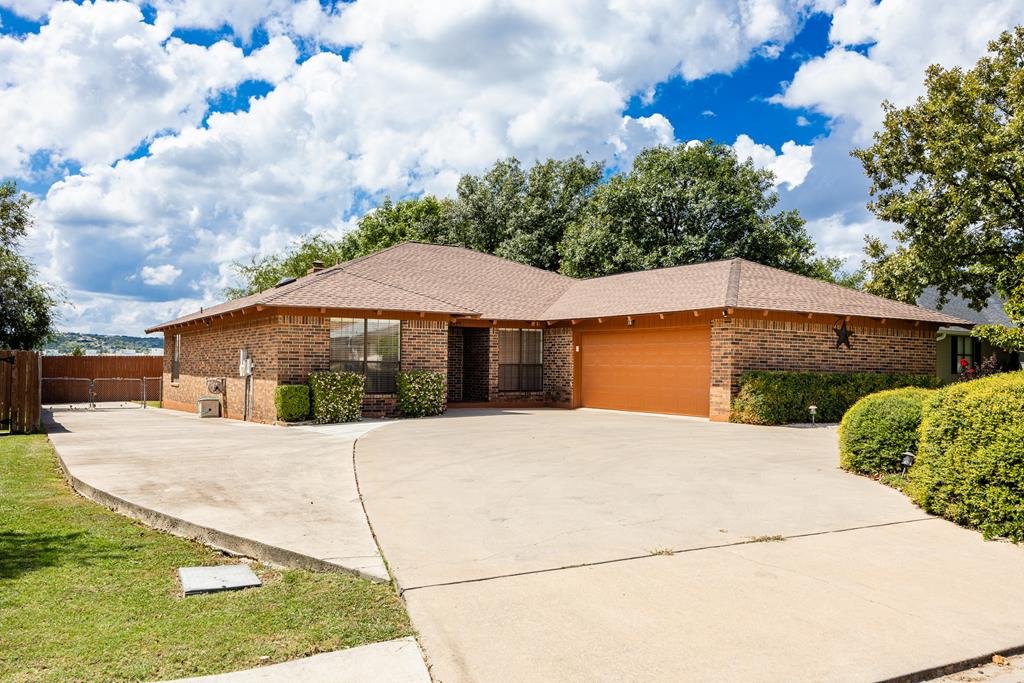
(599,546)
(285,496)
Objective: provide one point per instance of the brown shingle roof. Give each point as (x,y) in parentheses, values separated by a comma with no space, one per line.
(432,278)
(735,283)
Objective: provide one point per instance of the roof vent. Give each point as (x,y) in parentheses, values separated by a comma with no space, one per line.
(315,268)
(284,281)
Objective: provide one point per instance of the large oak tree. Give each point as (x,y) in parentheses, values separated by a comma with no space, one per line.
(949,169)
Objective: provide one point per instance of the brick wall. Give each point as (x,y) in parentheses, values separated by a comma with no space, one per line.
(304,346)
(558,359)
(455,361)
(212,352)
(741,344)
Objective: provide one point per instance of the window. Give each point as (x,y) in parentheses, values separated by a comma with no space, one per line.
(964,348)
(176,359)
(369,347)
(520,365)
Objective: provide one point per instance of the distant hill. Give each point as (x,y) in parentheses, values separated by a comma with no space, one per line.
(64,343)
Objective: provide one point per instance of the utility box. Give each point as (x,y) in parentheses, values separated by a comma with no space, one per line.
(209,406)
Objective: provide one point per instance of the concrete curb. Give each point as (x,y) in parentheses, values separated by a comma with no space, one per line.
(236,545)
(952,668)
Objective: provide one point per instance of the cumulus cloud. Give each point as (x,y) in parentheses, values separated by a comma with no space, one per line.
(790,166)
(428,91)
(164,274)
(903,37)
(30,9)
(97,80)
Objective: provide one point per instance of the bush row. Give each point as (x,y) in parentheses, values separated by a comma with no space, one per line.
(772,398)
(338,396)
(969,440)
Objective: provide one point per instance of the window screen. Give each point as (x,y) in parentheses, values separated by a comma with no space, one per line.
(520,360)
(369,347)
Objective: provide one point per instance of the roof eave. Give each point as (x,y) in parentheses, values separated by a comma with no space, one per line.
(179,322)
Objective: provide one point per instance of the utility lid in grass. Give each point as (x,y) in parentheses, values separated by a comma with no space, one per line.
(225,577)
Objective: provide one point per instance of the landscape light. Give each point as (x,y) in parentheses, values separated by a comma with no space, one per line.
(908,460)
(814,411)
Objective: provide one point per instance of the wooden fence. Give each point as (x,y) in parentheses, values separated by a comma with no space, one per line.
(20,380)
(68,379)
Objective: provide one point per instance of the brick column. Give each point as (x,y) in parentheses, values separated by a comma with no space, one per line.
(723,341)
(558,359)
(425,347)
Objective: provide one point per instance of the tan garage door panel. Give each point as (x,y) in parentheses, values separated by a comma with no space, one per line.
(654,371)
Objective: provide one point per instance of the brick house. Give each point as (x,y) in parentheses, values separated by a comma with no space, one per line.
(672,340)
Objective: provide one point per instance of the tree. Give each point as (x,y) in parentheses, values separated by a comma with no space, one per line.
(949,169)
(423,219)
(264,273)
(688,204)
(76,350)
(678,205)
(523,215)
(27,307)
(516,214)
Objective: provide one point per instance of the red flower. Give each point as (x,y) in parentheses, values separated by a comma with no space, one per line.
(963,362)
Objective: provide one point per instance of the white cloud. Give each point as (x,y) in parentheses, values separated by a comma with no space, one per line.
(165,274)
(97,81)
(790,166)
(904,38)
(802,121)
(708,113)
(30,9)
(429,91)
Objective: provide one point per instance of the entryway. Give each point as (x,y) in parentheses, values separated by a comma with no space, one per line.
(468,364)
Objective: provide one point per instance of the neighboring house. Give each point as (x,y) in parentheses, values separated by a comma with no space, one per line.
(955,342)
(674,340)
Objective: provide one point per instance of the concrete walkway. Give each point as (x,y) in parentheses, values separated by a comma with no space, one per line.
(394,661)
(286,496)
(598,546)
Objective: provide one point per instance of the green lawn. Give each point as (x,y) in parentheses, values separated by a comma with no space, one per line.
(89,595)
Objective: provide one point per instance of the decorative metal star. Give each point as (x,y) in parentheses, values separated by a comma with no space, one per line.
(843,335)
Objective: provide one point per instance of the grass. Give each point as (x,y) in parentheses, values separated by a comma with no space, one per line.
(774,538)
(896,481)
(89,595)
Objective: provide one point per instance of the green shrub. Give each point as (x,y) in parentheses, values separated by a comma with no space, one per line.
(970,464)
(772,398)
(879,428)
(292,401)
(420,393)
(336,396)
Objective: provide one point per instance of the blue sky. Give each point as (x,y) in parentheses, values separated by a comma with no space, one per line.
(165,141)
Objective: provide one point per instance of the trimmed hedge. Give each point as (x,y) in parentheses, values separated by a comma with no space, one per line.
(292,401)
(421,393)
(879,428)
(336,396)
(970,463)
(773,398)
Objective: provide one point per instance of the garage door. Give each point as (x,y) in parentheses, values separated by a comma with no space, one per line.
(653,371)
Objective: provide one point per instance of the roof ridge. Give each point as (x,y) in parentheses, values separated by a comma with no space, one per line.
(732,288)
(309,278)
(385,284)
(655,270)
